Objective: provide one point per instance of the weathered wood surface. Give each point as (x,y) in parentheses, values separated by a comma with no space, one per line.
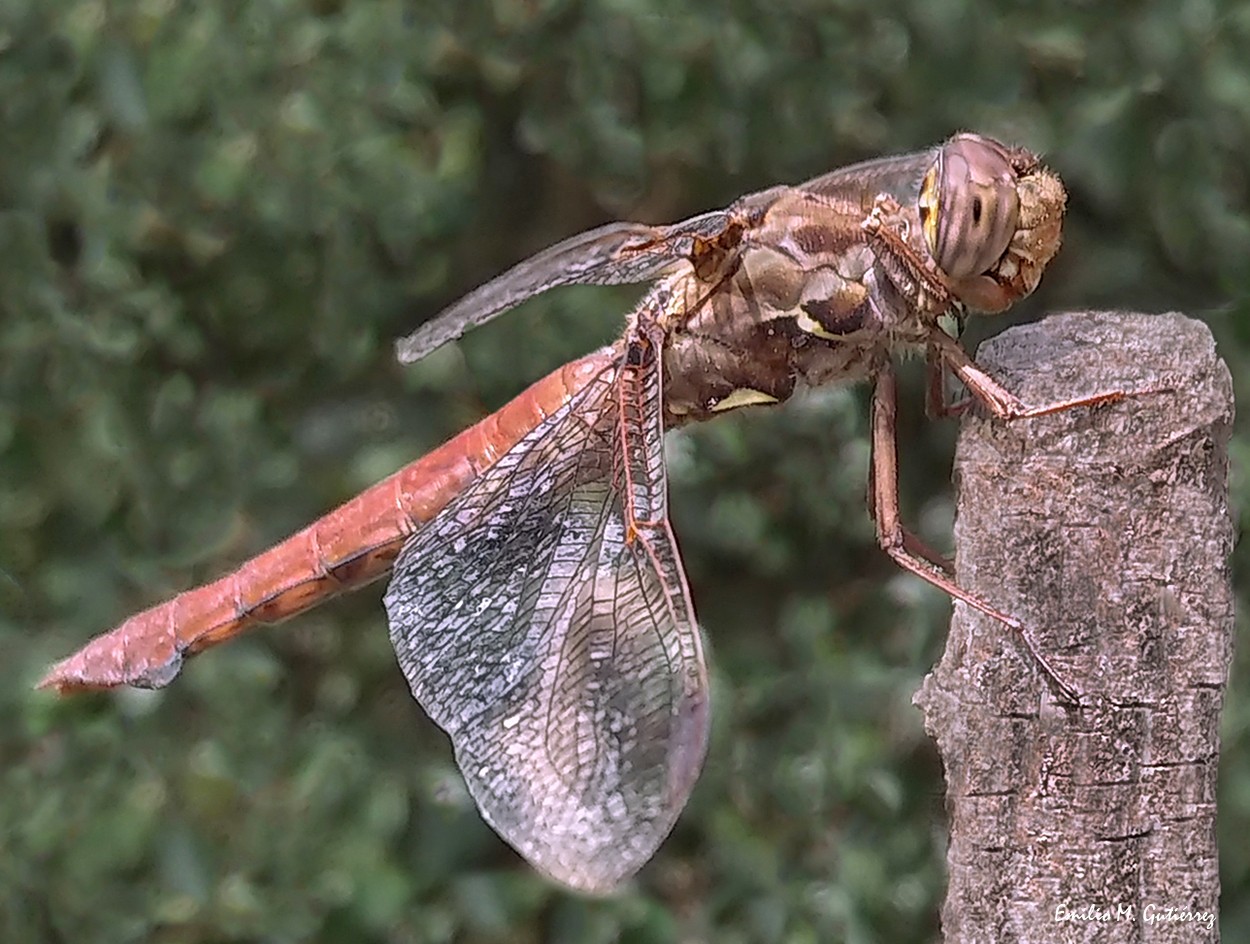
(1107,531)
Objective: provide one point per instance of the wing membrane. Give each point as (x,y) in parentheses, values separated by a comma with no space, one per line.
(899,176)
(558,649)
(615,254)
(624,253)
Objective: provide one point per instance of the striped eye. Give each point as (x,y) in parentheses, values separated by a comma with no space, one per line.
(969,206)
(928,204)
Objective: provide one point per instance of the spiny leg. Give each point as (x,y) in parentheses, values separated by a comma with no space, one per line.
(916,278)
(911,542)
(998,399)
(896,542)
(937,403)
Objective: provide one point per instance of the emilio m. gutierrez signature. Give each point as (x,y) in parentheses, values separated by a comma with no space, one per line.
(1148,913)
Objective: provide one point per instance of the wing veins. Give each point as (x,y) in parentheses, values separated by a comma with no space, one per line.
(474,623)
(603,515)
(530,588)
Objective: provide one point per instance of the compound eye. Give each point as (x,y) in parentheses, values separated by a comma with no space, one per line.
(969,206)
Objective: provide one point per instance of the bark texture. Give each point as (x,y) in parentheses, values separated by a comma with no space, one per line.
(1106,531)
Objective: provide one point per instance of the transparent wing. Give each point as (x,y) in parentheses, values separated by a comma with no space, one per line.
(899,176)
(556,645)
(623,253)
(616,254)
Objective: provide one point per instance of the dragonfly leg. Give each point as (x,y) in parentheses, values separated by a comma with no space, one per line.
(937,403)
(916,278)
(918,547)
(998,399)
(912,543)
(902,548)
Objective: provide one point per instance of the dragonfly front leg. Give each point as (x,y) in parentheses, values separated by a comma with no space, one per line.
(904,548)
(918,279)
(998,399)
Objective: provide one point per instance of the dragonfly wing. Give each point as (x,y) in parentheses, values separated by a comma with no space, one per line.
(900,177)
(559,650)
(615,254)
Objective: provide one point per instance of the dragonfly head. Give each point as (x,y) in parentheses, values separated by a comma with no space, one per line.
(991,217)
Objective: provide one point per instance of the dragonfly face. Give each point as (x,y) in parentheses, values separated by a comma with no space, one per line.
(991,218)
(538,606)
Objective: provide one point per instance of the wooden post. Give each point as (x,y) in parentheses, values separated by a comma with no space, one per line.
(1106,530)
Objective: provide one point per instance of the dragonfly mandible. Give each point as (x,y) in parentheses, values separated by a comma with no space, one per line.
(537,604)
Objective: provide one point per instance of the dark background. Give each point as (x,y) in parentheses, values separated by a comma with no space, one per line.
(214,220)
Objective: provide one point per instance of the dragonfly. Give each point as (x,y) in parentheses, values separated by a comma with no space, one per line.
(537,602)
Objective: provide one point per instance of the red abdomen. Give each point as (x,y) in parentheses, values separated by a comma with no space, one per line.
(350,546)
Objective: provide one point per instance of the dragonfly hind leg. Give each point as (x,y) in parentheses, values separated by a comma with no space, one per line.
(912,543)
(908,551)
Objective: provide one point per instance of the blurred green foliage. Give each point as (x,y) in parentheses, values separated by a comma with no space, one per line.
(214,219)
